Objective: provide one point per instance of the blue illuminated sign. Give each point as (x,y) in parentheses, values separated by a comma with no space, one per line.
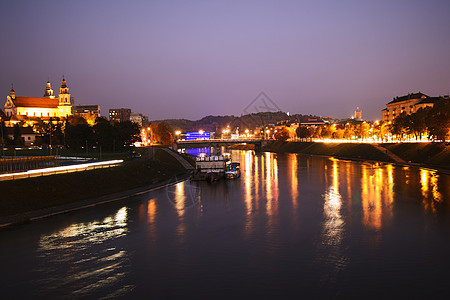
(197,151)
(195,135)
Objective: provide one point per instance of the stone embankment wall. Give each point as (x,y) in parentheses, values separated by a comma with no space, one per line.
(428,154)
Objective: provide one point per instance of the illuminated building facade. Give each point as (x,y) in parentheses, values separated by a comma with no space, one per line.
(409,104)
(139,119)
(85,109)
(120,114)
(47,106)
(357,115)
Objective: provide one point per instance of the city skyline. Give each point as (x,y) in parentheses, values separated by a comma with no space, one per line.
(179,60)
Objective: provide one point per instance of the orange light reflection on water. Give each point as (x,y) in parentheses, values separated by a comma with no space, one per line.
(377,195)
(293,166)
(430,190)
(151,214)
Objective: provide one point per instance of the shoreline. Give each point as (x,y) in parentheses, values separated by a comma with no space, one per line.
(35,198)
(27,217)
(289,147)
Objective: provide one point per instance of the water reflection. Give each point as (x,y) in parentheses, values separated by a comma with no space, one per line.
(65,254)
(292,222)
(251,182)
(180,198)
(430,190)
(293,169)
(248,167)
(377,195)
(151,217)
(333,223)
(271,180)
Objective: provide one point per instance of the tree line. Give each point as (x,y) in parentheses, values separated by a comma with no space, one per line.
(431,122)
(76,133)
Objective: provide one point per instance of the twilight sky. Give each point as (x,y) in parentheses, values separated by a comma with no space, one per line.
(189,59)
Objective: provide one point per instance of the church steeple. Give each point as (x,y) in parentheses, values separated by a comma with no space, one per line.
(64,96)
(12,93)
(48,91)
(64,89)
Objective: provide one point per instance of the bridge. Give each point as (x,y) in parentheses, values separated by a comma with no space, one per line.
(220,142)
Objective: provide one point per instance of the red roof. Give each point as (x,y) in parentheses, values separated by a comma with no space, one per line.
(36,102)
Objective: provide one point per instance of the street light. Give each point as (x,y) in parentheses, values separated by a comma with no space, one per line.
(3,139)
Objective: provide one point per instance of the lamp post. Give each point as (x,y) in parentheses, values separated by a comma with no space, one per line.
(51,136)
(3,140)
(177,133)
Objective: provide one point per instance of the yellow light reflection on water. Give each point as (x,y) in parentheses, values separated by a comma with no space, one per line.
(256,181)
(268,179)
(250,181)
(248,166)
(271,181)
(93,232)
(430,191)
(333,225)
(293,165)
(81,242)
(180,198)
(377,195)
(180,202)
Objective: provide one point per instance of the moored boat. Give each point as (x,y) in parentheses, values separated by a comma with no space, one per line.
(233,171)
(210,168)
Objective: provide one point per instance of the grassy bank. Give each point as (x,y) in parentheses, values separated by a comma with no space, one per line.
(347,150)
(429,154)
(42,192)
(432,154)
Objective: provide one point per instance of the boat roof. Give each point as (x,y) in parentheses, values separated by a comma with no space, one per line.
(210,158)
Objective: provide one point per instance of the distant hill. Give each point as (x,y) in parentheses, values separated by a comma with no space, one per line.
(249,121)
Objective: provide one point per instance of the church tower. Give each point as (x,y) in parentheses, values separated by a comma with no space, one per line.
(48,91)
(12,93)
(64,96)
(10,106)
(65,106)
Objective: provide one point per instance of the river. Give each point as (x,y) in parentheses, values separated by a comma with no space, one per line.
(291,226)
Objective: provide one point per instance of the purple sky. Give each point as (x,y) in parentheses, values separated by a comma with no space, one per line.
(189,59)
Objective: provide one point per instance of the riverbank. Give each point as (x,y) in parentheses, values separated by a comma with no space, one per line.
(433,155)
(23,196)
(242,147)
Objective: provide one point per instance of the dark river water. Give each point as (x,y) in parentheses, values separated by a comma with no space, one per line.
(291,227)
